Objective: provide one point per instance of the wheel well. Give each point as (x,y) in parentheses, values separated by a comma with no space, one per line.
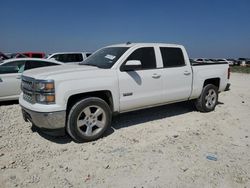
(104,95)
(214,81)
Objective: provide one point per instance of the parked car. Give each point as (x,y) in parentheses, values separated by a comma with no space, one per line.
(248,63)
(81,99)
(242,61)
(10,75)
(203,60)
(225,61)
(234,61)
(70,57)
(192,61)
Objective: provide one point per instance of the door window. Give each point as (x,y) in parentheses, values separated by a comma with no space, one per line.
(15,63)
(67,58)
(12,67)
(172,57)
(8,69)
(36,64)
(146,56)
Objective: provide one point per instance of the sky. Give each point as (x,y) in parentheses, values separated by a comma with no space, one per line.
(207,28)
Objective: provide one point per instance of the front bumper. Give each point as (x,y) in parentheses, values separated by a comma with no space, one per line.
(50,121)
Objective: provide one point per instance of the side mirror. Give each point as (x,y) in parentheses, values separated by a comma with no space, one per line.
(131,65)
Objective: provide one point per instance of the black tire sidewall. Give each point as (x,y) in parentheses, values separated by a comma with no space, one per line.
(77,109)
(205,90)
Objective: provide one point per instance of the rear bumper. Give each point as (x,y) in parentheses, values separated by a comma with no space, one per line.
(47,121)
(227,87)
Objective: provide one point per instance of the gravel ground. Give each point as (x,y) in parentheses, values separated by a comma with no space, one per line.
(167,146)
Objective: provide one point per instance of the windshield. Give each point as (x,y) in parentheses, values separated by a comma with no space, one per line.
(106,57)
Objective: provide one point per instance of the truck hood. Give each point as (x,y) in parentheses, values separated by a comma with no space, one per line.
(45,72)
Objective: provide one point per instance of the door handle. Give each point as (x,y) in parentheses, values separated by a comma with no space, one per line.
(18,77)
(187,73)
(1,80)
(156,76)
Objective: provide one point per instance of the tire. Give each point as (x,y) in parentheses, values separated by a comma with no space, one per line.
(208,99)
(88,119)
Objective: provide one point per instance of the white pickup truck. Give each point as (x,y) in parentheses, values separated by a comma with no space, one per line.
(81,99)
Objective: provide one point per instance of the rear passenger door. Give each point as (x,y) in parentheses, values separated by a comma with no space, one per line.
(142,87)
(177,75)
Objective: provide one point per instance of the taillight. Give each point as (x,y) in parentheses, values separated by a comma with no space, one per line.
(228,73)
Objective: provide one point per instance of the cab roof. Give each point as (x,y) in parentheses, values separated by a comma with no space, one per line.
(128,44)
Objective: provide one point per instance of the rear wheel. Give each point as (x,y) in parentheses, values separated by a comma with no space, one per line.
(208,99)
(88,119)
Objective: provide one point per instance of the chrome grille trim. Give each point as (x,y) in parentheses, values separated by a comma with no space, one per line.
(27,87)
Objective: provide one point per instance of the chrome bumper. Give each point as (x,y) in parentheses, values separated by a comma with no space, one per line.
(45,120)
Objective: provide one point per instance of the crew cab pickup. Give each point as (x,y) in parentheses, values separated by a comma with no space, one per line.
(81,99)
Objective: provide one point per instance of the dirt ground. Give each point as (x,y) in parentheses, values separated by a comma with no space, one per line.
(168,146)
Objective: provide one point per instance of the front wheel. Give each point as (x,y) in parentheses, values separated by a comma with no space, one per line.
(88,119)
(208,99)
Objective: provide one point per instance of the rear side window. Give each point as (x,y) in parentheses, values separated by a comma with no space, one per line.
(88,54)
(146,56)
(172,57)
(67,58)
(37,55)
(37,64)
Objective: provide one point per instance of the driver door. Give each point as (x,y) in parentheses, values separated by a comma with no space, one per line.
(140,87)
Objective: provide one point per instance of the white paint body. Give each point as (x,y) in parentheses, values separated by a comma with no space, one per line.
(172,84)
(10,83)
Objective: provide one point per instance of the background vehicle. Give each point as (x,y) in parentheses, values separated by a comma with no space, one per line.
(70,57)
(203,60)
(192,61)
(117,79)
(248,63)
(242,61)
(10,75)
(15,55)
(225,61)
(234,61)
(3,56)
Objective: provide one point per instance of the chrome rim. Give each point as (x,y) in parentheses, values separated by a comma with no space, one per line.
(91,120)
(210,98)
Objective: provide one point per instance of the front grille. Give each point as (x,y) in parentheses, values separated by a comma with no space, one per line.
(27,84)
(28,96)
(28,89)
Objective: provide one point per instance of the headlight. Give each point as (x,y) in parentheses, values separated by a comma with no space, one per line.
(45,91)
(45,98)
(45,86)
